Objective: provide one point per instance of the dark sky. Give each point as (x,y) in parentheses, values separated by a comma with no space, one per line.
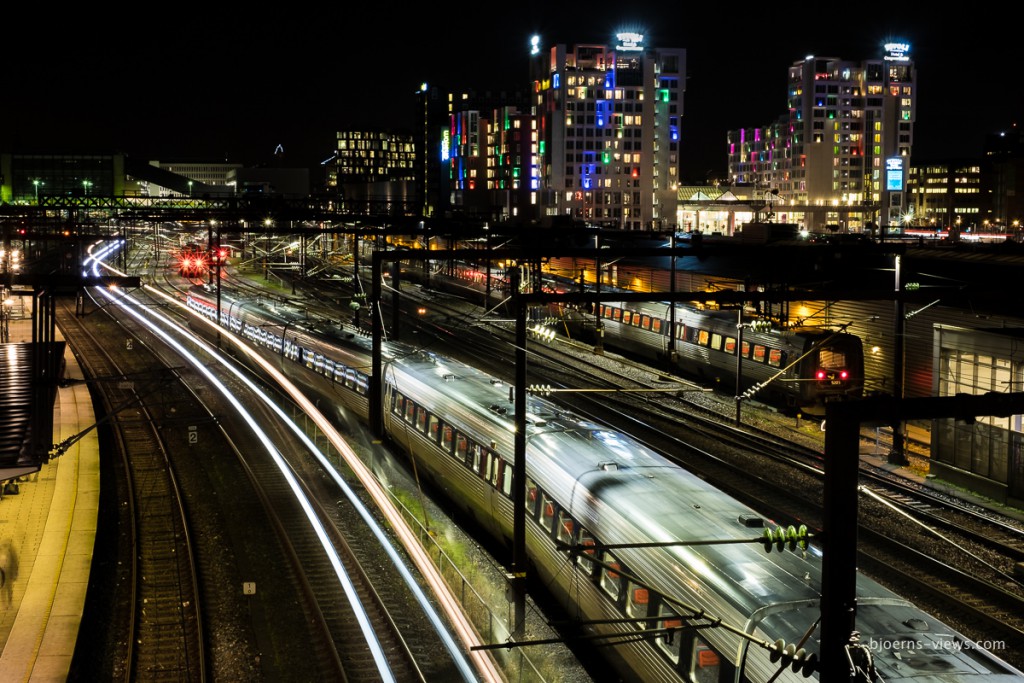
(191,81)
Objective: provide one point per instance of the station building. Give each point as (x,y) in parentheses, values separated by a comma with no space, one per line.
(986,454)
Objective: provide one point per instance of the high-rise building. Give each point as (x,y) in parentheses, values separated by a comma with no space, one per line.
(608,121)
(490,154)
(845,140)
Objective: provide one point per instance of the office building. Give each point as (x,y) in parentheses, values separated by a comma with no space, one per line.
(374,170)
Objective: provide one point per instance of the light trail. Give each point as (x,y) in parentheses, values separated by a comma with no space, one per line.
(451,606)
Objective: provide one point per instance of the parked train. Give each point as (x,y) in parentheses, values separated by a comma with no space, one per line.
(793,369)
(796,369)
(603,514)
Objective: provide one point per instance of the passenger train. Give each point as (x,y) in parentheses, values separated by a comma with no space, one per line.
(798,369)
(604,515)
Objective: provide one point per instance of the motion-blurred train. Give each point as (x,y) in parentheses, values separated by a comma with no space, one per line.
(796,369)
(604,514)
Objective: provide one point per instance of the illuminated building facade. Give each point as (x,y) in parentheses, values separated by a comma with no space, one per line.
(608,129)
(374,168)
(491,161)
(846,138)
(948,194)
(370,156)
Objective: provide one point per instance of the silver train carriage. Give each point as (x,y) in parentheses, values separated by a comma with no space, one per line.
(795,369)
(596,500)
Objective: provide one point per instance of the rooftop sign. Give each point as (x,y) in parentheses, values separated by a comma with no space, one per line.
(630,41)
(897,52)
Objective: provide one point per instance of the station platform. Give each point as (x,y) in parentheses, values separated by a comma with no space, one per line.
(47,533)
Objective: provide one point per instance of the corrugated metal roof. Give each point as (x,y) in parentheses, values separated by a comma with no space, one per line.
(16,398)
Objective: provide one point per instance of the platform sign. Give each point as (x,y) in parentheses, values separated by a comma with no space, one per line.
(193,435)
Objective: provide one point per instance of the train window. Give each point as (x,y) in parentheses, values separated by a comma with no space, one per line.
(565,527)
(506,481)
(776,358)
(644,322)
(671,639)
(703,337)
(461,447)
(398,407)
(681,332)
(729,346)
(831,358)
(617,314)
(433,427)
(350,378)
(585,560)
(531,497)
(362,384)
(476,458)
(447,437)
(421,420)
(716,341)
(410,411)
(745,350)
(706,665)
(611,580)
(606,311)
(328,367)
(759,353)
(656,324)
(637,599)
(309,358)
(547,512)
(627,317)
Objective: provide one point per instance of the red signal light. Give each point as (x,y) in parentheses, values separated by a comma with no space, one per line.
(821,374)
(843,374)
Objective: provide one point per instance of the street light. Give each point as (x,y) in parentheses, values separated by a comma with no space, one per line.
(37,182)
(86,184)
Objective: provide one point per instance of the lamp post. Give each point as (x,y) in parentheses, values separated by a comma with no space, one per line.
(86,184)
(37,182)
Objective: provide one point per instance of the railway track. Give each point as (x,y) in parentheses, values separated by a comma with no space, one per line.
(787,478)
(157,633)
(162,627)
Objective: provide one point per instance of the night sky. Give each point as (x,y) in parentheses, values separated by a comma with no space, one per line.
(194,83)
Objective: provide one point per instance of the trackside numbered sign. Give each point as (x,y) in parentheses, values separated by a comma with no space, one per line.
(193,435)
